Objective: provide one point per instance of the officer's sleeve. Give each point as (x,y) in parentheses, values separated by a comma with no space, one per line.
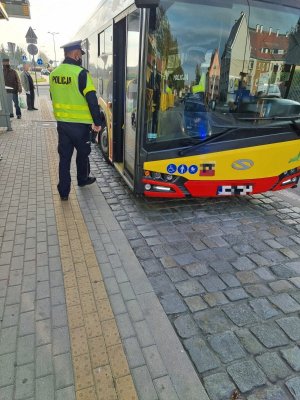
(90,96)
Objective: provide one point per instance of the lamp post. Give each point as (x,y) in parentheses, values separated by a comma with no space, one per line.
(12,48)
(53,34)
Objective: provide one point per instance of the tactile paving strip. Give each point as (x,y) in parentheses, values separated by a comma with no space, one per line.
(100,365)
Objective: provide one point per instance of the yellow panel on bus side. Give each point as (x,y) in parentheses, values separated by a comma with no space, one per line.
(246,163)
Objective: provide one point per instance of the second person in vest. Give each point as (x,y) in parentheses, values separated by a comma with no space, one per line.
(76,110)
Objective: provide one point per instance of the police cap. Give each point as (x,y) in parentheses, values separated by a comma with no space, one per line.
(73,46)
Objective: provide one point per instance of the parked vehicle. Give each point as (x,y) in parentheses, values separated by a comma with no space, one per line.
(45,72)
(196,118)
(267,107)
(271,90)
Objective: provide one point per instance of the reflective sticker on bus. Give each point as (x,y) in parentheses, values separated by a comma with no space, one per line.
(182,168)
(151,135)
(193,169)
(171,168)
(207,169)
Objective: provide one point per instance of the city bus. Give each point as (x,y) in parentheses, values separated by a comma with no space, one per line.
(198,97)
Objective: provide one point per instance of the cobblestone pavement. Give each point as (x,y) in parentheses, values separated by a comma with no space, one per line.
(227,273)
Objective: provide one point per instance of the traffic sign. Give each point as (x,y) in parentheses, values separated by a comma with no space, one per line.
(32,49)
(30,36)
(24,58)
(11,47)
(16,8)
(39,61)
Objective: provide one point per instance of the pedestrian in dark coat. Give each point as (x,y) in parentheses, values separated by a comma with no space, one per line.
(12,81)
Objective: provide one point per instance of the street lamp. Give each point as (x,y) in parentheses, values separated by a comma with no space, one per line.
(11,49)
(53,34)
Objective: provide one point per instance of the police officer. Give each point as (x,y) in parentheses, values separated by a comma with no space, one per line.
(76,110)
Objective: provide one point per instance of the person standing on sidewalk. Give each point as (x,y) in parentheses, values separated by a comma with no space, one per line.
(76,110)
(28,86)
(12,80)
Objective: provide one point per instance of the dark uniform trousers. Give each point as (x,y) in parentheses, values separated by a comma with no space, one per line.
(73,135)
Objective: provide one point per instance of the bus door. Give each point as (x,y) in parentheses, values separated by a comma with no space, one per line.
(131,91)
(119,51)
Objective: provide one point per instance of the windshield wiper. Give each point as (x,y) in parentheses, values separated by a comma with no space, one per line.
(211,138)
(275,118)
(292,119)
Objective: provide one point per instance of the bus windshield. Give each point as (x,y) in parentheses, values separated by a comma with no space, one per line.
(213,65)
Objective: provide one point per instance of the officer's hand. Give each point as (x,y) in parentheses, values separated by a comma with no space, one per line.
(96,128)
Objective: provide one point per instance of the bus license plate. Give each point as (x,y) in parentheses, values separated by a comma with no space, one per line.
(235,190)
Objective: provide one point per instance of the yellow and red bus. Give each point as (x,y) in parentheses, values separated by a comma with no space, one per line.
(199,97)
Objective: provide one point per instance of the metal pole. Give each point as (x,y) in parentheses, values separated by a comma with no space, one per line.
(11,49)
(37,88)
(54,33)
(54,49)
(4,109)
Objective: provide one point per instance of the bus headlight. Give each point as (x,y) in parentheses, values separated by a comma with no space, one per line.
(290,172)
(162,188)
(156,175)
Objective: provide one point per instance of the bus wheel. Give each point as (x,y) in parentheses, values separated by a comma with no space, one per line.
(103,142)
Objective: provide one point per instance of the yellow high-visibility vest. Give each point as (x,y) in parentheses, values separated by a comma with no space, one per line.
(69,105)
(201,85)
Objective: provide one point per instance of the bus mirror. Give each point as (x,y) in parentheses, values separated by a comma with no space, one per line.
(146,3)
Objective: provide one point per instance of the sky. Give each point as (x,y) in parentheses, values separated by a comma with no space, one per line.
(63,16)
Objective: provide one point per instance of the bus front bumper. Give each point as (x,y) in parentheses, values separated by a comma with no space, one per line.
(214,188)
